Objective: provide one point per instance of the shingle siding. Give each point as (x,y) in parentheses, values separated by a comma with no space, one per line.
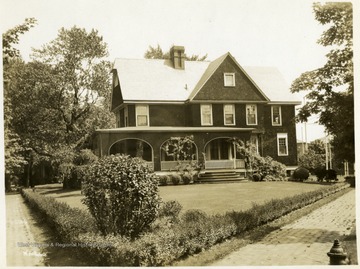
(214,88)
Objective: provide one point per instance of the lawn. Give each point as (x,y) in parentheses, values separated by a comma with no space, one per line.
(211,198)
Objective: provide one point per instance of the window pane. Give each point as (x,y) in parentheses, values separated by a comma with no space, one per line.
(282,146)
(276,115)
(229,119)
(251,114)
(229,80)
(206,114)
(142,120)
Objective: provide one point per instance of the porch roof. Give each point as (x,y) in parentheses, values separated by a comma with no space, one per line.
(153,129)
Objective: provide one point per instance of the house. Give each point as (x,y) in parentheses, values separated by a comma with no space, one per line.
(155,100)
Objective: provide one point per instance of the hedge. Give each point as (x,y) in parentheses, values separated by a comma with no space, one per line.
(192,233)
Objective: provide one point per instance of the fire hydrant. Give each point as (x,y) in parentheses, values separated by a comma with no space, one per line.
(337,254)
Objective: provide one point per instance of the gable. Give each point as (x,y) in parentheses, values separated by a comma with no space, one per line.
(244,90)
(116,96)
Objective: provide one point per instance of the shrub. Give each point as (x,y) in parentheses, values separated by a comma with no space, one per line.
(175,178)
(256,177)
(350,180)
(170,209)
(163,180)
(66,221)
(331,175)
(122,195)
(187,178)
(301,174)
(193,215)
(320,173)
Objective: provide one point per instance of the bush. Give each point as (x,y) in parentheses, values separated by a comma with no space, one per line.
(187,178)
(350,180)
(256,177)
(67,222)
(122,195)
(170,209)
(320,173)
(175,178)
(193,215)
(301,174)
(331,175)
(163,180)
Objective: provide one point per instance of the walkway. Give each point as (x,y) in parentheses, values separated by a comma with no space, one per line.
(304,242)
(21,231)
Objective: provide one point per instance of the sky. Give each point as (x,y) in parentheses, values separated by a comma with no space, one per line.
(280,33)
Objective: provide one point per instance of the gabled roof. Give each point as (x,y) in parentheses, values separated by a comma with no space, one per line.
(149,80)
(271,82)
(157,80)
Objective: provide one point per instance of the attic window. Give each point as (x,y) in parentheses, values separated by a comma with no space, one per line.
(229,79)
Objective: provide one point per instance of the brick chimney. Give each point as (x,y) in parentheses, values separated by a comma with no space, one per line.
(177,57)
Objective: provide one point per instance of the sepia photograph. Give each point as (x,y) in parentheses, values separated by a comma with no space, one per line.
(187,133)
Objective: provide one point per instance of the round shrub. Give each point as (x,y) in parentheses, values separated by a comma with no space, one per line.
(301,174)
(170,209)
(163,180)
(187,178)
(320,173)
(256,177)
(175,179)
(122,194)
(331,174)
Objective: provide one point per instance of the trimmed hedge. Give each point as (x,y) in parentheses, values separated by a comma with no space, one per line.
(67,222)
(194,232)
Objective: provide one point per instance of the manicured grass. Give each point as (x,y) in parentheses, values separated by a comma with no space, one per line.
(211,198)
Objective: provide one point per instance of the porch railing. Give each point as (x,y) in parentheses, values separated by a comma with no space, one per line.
(172,165)
(225,164)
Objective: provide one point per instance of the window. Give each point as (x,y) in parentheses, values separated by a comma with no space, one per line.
(206,114)
(142,115)
(276,115)
(251,115)
(282,143)
(229,79)
(229,115)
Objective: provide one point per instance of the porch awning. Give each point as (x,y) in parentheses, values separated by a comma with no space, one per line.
(154,129)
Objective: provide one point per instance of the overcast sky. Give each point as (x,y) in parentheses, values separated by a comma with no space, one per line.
(280,33)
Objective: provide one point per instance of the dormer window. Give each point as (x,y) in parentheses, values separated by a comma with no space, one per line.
(229,79)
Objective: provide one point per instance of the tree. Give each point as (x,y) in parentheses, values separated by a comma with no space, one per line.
(11,37)
(14,160)
(61,97)
(331,87)
(157,53)
(82,78)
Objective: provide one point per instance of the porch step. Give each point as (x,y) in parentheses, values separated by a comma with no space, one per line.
(221,175)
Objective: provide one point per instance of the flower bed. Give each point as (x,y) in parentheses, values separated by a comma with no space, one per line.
(192,233)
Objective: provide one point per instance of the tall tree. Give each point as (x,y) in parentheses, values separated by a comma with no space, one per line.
(14,149)
(331,87)
(157,53)
(60,97)
(81,82)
